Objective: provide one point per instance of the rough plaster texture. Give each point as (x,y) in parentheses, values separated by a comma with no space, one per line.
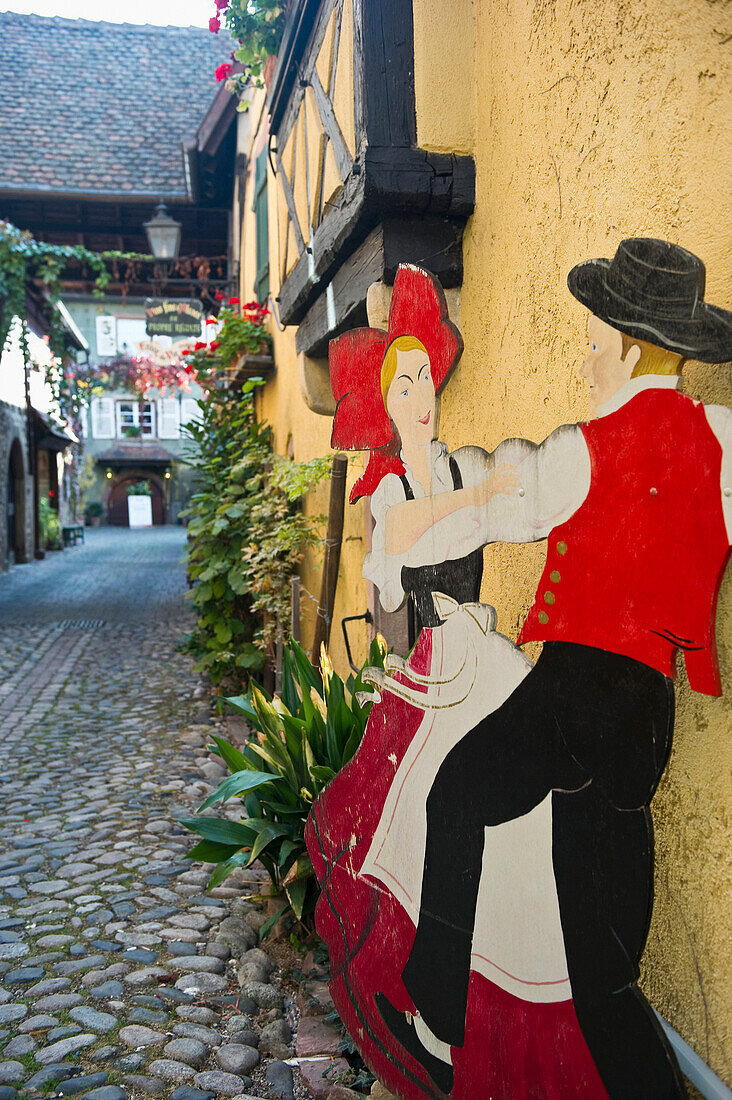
(595,122)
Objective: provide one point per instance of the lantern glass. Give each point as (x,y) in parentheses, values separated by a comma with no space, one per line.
(163,234)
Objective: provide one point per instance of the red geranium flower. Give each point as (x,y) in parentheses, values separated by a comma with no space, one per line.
(199,344)
(214,344)
(222,5)
(219,295)
(214,24)
(223,72)
(186,351)
(234,301)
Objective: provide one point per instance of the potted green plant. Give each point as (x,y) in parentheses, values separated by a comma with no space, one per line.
(49,525)
(93,513)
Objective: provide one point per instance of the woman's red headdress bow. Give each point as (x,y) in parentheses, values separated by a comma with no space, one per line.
(361,422)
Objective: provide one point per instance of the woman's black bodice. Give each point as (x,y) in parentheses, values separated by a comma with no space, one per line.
(459,578)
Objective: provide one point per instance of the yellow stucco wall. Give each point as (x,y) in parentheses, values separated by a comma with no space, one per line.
(300,433)
(589,123)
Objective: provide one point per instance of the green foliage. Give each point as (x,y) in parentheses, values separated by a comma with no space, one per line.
(302,740)
(246,532)
(242,330)
(24,260)
(50,526)
(256,26)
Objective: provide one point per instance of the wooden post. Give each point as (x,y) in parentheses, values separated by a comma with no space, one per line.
(295,607)
(333,540)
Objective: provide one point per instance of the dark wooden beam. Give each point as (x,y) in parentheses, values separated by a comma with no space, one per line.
(434,243)
(384,71)
(395,181)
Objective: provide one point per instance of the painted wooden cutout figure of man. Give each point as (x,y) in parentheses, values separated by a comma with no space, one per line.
(487,911)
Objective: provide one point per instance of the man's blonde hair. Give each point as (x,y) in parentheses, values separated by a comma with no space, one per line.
(389,365)
(653,360)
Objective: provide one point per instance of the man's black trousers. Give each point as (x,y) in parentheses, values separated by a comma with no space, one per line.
(595,729)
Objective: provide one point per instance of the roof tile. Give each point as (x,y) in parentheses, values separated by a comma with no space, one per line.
(101,108)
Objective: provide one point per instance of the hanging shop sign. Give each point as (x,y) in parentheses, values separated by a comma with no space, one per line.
(173,317)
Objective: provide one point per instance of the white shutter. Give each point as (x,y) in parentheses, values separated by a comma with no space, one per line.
(106,334)
(189,410)
(102,417)
(168,418)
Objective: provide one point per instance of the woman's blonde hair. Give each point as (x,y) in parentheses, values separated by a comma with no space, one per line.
(389,365)
(653,360)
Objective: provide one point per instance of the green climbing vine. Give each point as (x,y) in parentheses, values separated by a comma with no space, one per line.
(25,262)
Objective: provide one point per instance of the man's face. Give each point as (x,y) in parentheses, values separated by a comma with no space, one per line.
(604,369)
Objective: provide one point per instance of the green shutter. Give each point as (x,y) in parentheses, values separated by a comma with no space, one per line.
(261,282)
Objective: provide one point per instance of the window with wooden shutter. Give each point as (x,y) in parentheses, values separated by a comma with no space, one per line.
(102,418)
(189,410)
(261,281)
(168,418)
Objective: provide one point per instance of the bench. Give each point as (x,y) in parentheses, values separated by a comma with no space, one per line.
(73,534)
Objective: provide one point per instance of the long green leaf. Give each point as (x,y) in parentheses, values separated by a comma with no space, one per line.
(265,838)
(296,892)
(208,851)
(272,921)
(238,783)
(223,832)
(234,758)
(223,870)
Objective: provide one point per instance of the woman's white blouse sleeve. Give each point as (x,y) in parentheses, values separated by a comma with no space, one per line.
(382,569)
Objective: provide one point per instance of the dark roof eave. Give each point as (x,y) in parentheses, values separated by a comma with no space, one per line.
(118,197)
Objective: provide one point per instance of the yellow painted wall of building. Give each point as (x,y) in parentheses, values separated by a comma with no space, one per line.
(590,123)
(303,434)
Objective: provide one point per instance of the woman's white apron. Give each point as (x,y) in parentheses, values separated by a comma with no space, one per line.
(517,941)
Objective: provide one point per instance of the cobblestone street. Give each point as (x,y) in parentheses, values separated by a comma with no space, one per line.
(118,976)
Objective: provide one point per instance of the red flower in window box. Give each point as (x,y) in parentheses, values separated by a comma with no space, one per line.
(224,71)
(186,351)
(214,345)
(199,344)
(214,24)
(234,301)
(219,295)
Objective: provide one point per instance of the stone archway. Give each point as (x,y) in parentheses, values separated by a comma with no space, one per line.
(117,513)
(15,506)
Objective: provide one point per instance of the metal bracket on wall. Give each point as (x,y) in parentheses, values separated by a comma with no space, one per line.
(368,618)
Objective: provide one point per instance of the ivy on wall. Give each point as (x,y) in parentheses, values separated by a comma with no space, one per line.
(25,262)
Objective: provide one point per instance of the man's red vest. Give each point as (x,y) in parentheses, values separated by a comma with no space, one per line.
(637,568)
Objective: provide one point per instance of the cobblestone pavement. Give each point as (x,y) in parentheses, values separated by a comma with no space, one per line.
(119,976)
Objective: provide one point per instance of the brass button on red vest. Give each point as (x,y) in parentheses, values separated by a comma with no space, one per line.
(543,618)
(555,576)
(562,548)
(549,597)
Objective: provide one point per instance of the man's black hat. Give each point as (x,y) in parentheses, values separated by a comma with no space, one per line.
(654,291)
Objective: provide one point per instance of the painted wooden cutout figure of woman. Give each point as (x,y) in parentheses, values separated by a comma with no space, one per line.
(367,833)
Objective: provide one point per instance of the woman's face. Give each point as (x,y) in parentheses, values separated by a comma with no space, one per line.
(410,401)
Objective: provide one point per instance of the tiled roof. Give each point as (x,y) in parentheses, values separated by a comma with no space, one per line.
(101,108)
(136,454)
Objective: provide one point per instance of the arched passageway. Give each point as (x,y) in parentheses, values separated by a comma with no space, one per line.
(15,505)
(118,512)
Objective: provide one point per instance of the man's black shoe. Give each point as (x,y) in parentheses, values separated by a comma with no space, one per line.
(403,1031)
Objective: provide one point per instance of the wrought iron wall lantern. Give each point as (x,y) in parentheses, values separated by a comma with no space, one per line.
(163,234)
